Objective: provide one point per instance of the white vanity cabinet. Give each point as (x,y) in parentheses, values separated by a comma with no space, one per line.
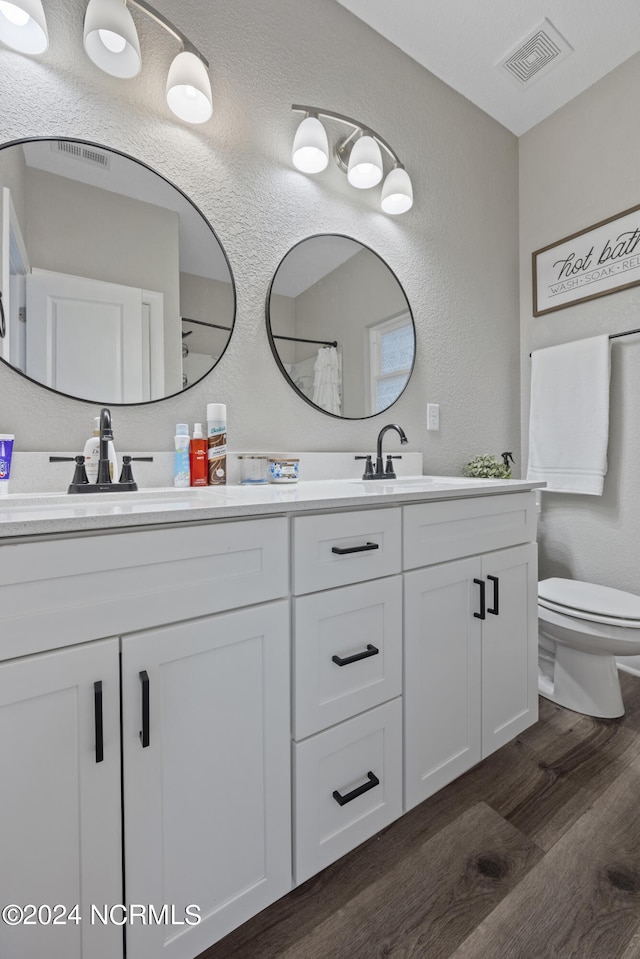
(204,694)
(196,716)
(470,634)
(347,671)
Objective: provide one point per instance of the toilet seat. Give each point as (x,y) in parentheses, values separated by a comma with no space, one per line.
(582,628)
(586,601)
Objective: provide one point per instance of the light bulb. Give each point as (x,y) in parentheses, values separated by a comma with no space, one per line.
(397,192)
(189,89)
(365,163)
(23,26)
(16,16)
(310,152)
(112,41)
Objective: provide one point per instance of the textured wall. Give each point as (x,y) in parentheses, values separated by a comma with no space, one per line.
(577,168)
(455,252)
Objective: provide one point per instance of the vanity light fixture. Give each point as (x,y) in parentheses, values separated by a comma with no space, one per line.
(23,26)
(359,155)
(111,42)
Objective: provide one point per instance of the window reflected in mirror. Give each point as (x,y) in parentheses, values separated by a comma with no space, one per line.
(340,326)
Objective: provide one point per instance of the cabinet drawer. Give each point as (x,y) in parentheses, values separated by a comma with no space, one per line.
(347,652)
(438,532)
(348,786)
(71,590)
(335,549)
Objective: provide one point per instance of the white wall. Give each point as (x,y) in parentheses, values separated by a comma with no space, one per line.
(578,167)
(455,253)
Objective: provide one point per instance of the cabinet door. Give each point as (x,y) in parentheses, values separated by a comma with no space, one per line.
(206,776)
(509,645)
(60,806)
(442,676)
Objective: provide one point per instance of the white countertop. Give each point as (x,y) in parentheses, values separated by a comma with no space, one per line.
(38,514)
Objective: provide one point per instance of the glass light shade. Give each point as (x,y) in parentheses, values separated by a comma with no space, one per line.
(397,192)
(111,39)
(365,163)
(189,89)
(23,26)
(310,146)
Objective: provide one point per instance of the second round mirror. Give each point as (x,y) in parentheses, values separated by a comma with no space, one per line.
(340,326)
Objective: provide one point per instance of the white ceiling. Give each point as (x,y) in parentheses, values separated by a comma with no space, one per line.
(461,41)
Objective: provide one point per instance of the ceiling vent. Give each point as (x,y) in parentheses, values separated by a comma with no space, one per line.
(81,151)
(536,55)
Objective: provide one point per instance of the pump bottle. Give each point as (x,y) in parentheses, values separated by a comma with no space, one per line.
(92,455)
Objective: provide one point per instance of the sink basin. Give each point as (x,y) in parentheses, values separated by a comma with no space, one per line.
(424,483)
(162,496)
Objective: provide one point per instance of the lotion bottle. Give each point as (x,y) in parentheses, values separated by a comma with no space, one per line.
(181,469)
(198,457)
(92,455)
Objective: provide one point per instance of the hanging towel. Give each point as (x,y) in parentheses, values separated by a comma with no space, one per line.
(326,383)
(569,420)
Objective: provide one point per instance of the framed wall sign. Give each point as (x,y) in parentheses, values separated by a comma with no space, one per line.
(597,261)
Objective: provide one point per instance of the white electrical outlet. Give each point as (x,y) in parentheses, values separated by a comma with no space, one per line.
(433,416)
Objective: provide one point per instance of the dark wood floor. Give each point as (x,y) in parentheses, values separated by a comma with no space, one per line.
(533,854)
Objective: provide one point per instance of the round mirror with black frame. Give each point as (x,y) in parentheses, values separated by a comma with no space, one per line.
(115,287)
(340,326)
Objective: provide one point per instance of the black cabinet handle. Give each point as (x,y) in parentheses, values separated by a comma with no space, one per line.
(496,584)
(369,651)
(483,609)
(341,550)
(97,715)
(144,733)
(343,800)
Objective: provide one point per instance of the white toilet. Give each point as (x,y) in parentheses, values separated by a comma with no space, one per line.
(581,629)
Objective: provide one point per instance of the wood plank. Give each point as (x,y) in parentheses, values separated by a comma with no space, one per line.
(427,905)
(579,757)
(583,899)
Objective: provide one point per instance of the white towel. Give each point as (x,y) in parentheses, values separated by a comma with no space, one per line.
(569,420)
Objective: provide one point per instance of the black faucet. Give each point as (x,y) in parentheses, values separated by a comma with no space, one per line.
(380,471)
(104,483)
(106,434)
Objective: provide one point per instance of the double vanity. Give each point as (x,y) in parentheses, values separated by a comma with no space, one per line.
(207,696)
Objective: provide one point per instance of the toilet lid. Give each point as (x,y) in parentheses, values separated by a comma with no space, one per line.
(586,598)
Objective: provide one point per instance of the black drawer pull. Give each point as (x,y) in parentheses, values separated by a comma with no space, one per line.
(341,550)
(359,791)
(483,609)
(97,713)
(144,733)
(496,583)
(369,651)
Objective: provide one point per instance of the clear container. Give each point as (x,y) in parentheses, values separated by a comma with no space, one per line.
(253,469)
(283,469)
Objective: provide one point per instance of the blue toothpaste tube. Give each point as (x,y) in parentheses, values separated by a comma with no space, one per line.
(6,449)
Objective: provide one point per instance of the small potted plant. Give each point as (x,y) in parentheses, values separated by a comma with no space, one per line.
(488,467)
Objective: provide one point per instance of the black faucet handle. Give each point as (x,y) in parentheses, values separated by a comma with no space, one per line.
(126,474)
(80,474)
(368,466)
(389,470)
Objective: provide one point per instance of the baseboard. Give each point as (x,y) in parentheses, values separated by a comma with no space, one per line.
(628,669)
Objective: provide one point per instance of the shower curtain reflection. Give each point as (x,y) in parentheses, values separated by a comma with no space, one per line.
(319,378)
